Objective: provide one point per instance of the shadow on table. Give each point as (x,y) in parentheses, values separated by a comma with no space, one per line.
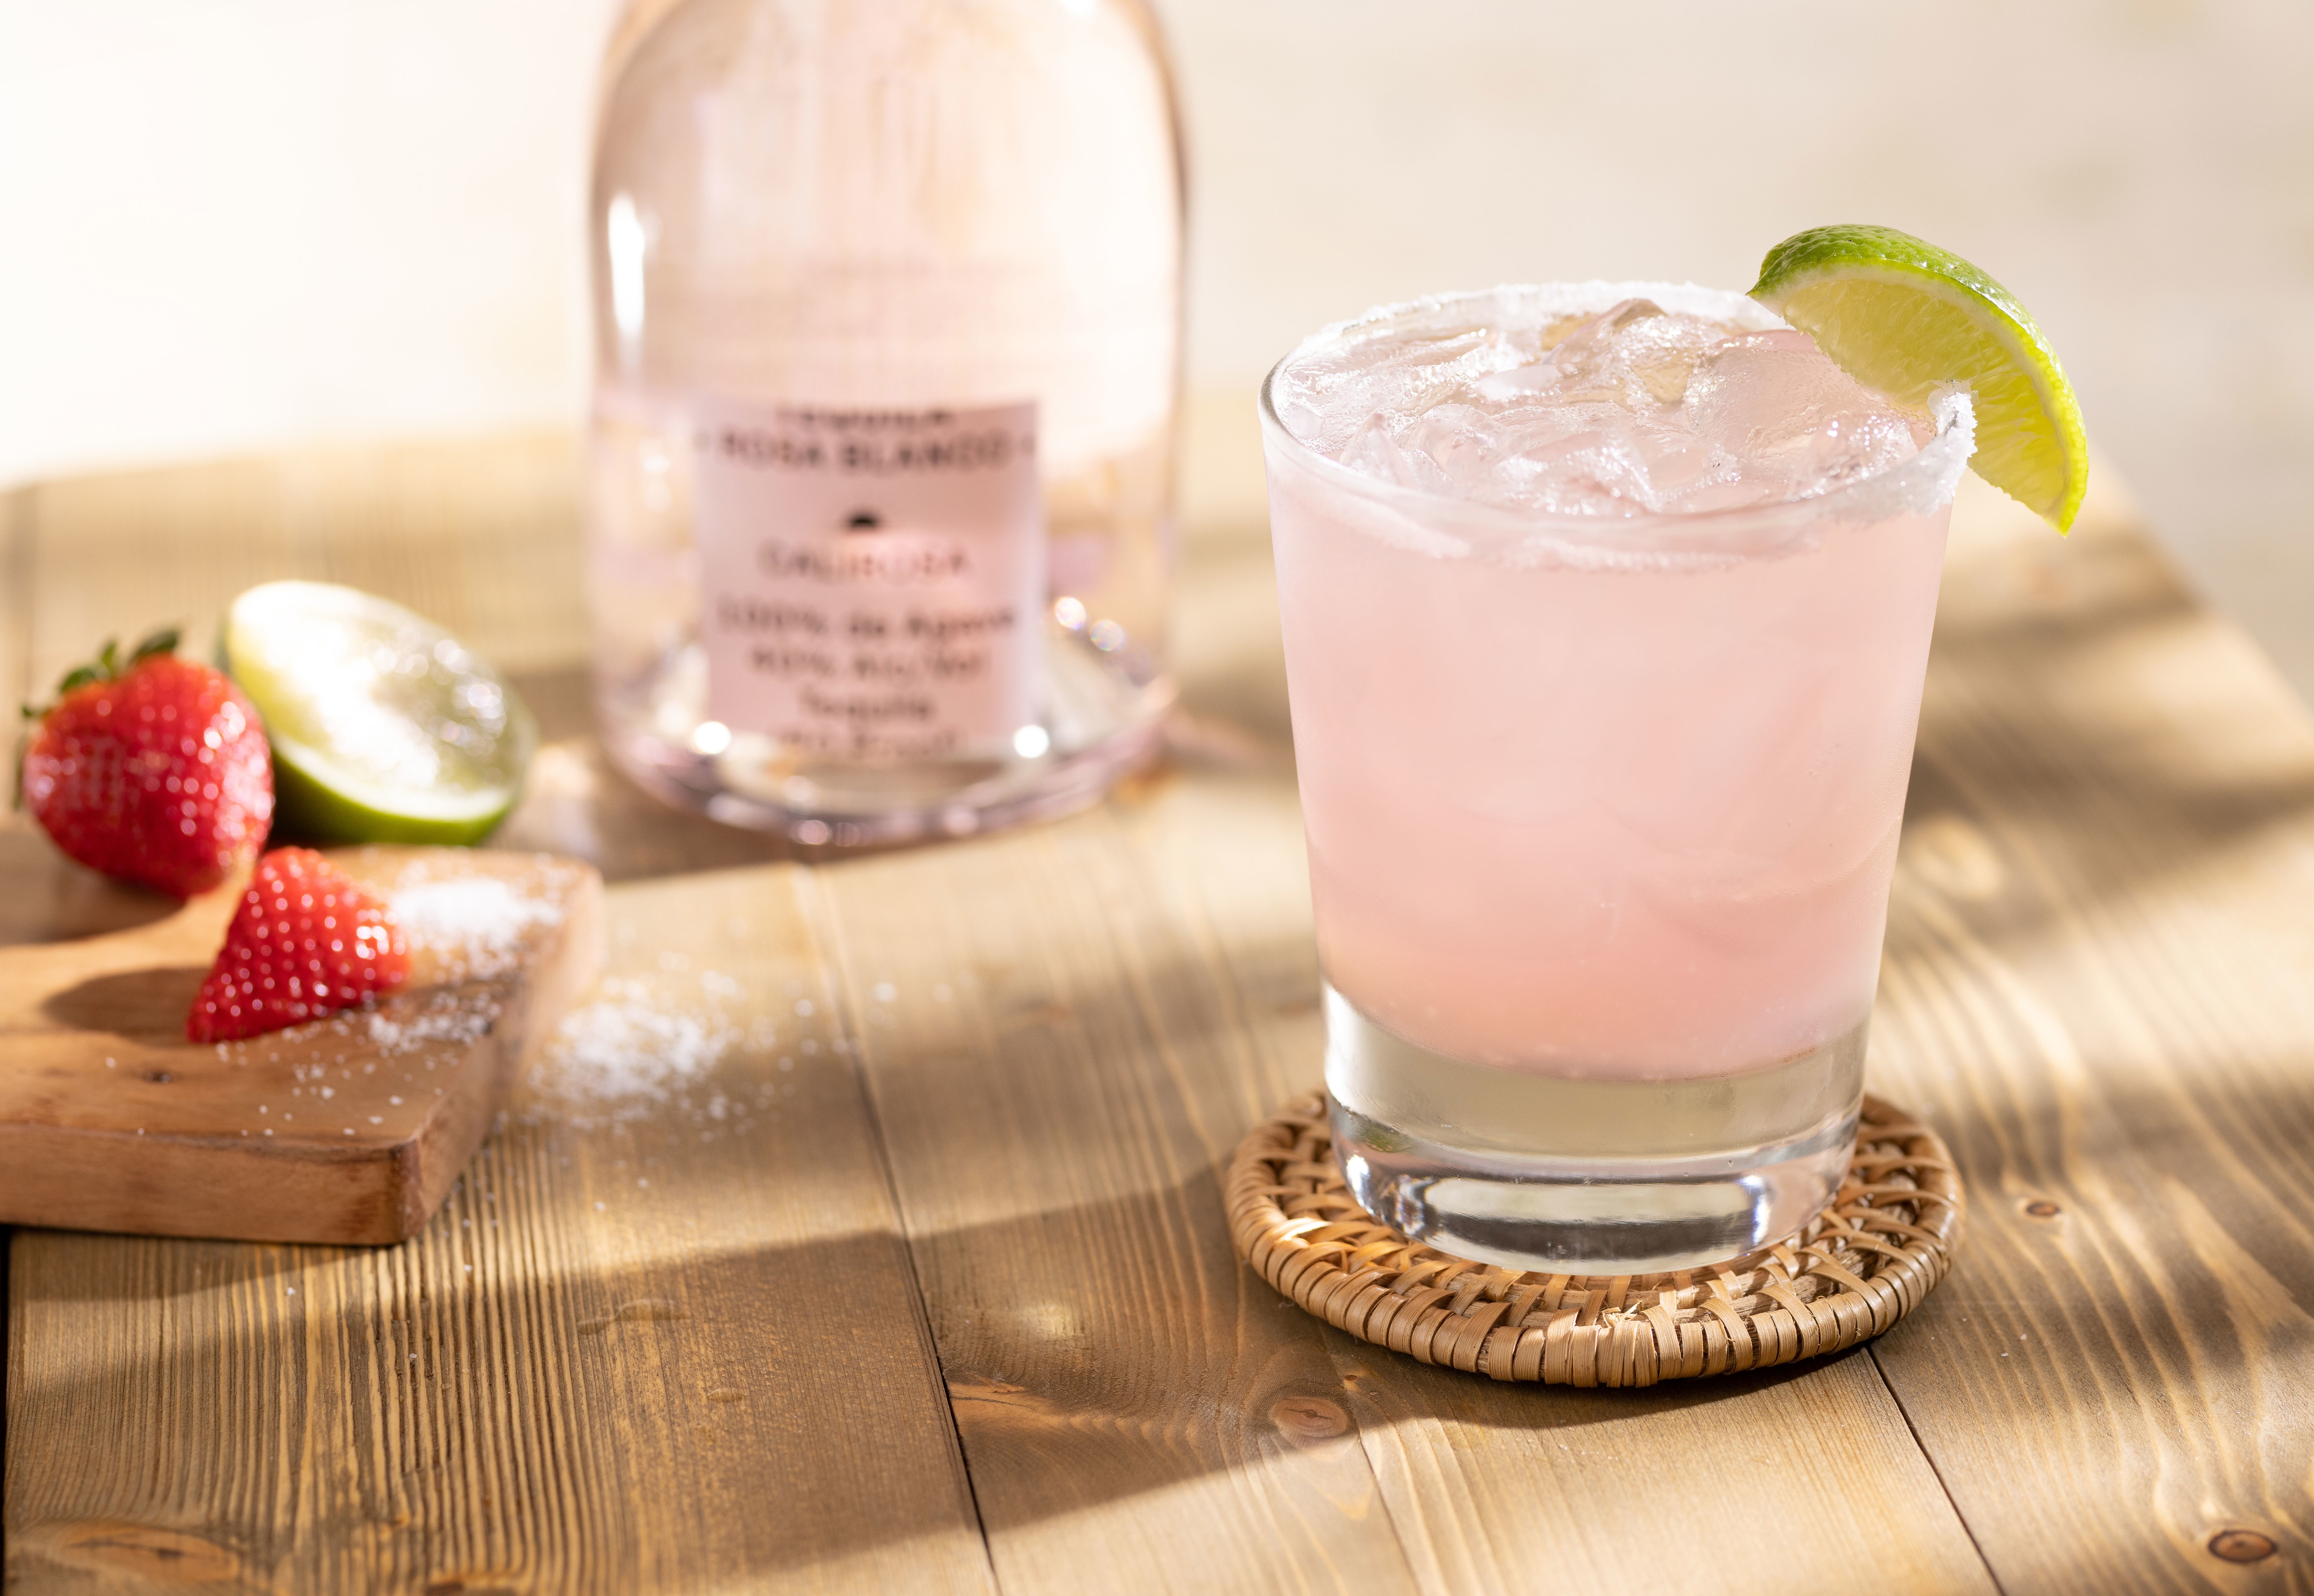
(147,1006)
(1117,1349)
(627,1404)
(662,1427)
(51,899)
(1092,1354)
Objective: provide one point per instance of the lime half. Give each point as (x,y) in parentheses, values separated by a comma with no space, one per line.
(1907,318)
(385,728)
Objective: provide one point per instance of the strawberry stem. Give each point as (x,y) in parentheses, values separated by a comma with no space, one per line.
(107,665)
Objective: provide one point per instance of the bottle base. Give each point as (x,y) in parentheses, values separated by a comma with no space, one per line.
(868,806)
(1586,1176)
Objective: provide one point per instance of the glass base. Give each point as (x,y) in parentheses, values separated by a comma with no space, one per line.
(1596,1176)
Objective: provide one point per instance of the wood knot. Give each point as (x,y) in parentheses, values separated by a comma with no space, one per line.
(147,1554)
(2042,1208)
(486,1582)
(2242,1546)
(159,1077)
(1039,1014)
(643,1311)
(1309,1418)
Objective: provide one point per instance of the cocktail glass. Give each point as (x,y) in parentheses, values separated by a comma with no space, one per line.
(1602,812)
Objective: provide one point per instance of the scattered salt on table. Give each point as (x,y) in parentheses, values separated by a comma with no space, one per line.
(445,1020)
(624,1054)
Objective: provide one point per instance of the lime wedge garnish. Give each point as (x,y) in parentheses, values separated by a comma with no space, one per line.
(1905,317)
(385,728)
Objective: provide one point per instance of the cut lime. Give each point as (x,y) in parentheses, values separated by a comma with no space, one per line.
(385,728)
(1907,318)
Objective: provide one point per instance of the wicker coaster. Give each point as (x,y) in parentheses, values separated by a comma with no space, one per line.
(1857,1269)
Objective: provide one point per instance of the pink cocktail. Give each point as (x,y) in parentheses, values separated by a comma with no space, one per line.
(1606,609)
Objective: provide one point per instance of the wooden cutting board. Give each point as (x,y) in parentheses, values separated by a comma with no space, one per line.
(349,1129)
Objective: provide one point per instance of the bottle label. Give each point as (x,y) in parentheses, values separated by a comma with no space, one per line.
(872,580)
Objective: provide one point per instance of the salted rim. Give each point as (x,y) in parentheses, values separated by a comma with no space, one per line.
(1920,483)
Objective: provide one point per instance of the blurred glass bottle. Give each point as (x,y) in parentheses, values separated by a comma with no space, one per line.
(887,313)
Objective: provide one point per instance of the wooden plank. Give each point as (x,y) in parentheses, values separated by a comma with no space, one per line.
(662,1337)
(2096,988)
(1058,1074)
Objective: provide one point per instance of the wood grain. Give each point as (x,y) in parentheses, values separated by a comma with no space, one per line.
(346,1130)
(1058,1074)
(662,1337)
(2098,987)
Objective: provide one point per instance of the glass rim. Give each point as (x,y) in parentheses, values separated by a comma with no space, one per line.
(1880,496)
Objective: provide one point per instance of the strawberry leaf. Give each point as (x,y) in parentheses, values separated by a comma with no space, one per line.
(108,666)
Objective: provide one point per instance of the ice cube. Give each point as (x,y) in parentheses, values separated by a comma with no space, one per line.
(1681,466)
(1520,382)
(1792,420)
(1598,470)
(1462,440)
(1324,399)
(1637,356)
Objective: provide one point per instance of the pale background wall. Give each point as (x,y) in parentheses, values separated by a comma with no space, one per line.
(230,225)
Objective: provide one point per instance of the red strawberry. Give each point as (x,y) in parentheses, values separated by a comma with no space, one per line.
(156,771)
(306,941)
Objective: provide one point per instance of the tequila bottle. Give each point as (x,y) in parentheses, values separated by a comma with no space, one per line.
(886,307)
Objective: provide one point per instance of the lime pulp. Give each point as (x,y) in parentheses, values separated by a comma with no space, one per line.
(385,728)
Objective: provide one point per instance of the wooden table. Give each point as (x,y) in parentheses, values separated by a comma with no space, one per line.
(912,1275)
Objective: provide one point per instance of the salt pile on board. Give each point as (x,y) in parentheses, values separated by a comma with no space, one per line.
(447,1018)
(476,924)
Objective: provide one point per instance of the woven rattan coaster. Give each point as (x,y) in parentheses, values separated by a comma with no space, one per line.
(1857,1268)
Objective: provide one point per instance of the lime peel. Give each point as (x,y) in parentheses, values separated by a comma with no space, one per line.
(1906,319)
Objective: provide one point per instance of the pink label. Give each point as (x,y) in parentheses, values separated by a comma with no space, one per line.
(873,579)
